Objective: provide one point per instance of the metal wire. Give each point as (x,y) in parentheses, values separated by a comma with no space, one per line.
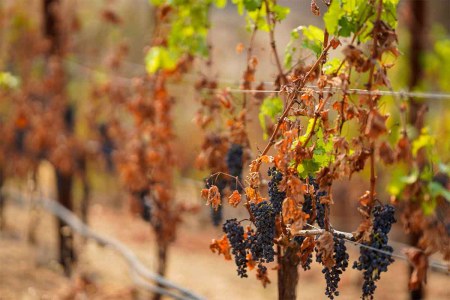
(400,94)
(432,263)
(135,265)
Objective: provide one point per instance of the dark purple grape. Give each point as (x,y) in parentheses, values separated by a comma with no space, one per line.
(372,262)
(235,235)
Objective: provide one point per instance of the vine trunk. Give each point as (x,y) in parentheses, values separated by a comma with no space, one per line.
(162,254)
(288,275)
(65,235)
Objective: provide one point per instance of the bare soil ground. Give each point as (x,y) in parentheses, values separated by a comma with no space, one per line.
(31,272)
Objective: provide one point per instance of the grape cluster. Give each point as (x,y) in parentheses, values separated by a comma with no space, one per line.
(19,140)
(307,264)
(320,208)
(261,243)
(107,146)
(146,208)
(333,274)
(276,197)
(235,235)
(234,162)
(373,263)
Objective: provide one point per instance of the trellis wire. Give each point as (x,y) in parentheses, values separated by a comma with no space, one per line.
(400,94)
(432,263)
(136,267)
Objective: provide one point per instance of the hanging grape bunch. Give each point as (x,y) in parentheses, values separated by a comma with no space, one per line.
(373,262)
(307,151)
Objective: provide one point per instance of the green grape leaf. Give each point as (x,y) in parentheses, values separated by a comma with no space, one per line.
(396,183)
(436,189)
(444,168)
(428,207)
(220,3)
(271,107)
(303,138)
(312,38)
(322,153)
(257,17)
(331,66)
(290,48)
(332,16)
(411,178)
(280,12)
(307,167)
(252,5)
(424,140)
(156,2)
(159,58)
(8,81)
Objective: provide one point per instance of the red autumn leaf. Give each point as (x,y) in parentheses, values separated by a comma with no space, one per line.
(335,43)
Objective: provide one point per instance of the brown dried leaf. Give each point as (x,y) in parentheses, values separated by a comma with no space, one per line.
(291,211)
(298,224)
(213,197)
(250,262)
(253,62)
(403,149)
(239,48)
(235,198)
(376,124)
(253,195)
(266,159)
(261,274)
(327,200)
(222,246)
(386,153)
(204,194)
(314,8)
(364,200)
(364,231)
(419,261)
(111,16)
(306,249)
(254,180)
(325,248)
(335,43)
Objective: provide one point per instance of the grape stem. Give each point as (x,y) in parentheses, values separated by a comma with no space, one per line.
(291,102)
